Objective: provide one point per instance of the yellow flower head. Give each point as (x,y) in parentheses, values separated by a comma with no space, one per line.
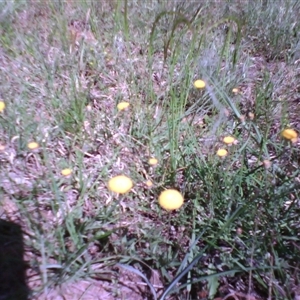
(228,140)
(170,199)
(235,90)
(289,134)
(199,84)
(149,183)
(2,106)
(32,145)
(152,161)
(66,172)
(122,105)
(120,184)
(222,152)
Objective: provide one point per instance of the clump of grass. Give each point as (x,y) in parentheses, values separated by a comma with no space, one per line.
(175,97)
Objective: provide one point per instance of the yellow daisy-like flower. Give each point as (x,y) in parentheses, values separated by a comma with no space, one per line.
(199,84)
(32,145)
(122,105)
(289,134)
(2,106)
(152,161)
(66,172)
(228,140)
(120,184)
(170,199)
(235,90)
(222,152)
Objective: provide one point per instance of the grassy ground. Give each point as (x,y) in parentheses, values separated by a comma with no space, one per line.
(65,66)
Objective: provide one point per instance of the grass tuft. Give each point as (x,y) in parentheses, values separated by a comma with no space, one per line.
(197,99)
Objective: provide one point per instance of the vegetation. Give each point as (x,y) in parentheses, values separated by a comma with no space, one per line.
(191,96)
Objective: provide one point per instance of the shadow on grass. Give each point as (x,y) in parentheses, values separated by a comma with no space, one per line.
(12,266)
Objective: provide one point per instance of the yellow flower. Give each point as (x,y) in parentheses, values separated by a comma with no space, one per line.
(149,183)
(170,199)
(120,184)
(66,172)
(32,145)
(152,161)
(199,84)
(228,140)
(289,134)
(122,105)
(2,106)
(222,152)
(235,90)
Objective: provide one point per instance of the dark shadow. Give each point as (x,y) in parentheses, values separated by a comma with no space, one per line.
(12,265)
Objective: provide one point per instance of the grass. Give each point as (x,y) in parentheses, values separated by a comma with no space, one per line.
(66,65)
